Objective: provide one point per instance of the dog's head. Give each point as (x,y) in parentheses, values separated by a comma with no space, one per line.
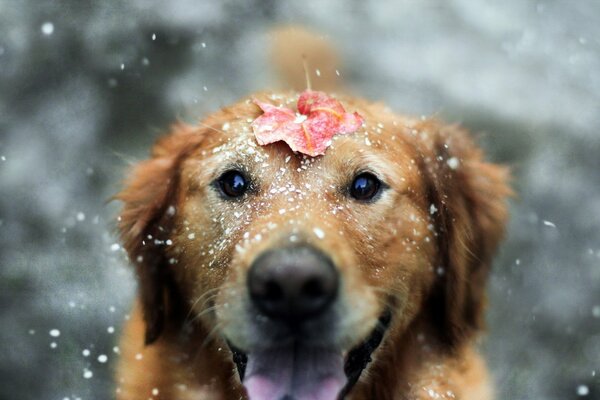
(304,265)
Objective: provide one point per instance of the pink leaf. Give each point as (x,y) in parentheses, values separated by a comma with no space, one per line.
(310,132)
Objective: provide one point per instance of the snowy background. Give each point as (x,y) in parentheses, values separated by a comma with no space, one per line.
(85,87)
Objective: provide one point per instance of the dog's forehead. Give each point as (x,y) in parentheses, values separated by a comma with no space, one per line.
(380,144)
(239,148)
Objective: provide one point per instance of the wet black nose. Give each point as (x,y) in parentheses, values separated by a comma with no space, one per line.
(293,284)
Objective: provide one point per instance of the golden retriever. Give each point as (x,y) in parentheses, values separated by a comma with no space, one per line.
(268,274)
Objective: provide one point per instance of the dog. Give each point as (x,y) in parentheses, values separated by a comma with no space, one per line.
(265,273)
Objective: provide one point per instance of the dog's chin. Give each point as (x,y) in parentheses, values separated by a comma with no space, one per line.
(294,369)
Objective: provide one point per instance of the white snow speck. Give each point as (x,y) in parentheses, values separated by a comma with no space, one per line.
(171,211)
(102,358)
(85,353)
(54,333)
(453,162)
(550,224)
(192,236)
(110,329)
(80,216)
(47,28)
(583,390)
(319,233)
(139,356)
(87,374)
(115,247)
(300,118)
(53,345)
(154,36)
(155,392)
(596,311)
(432,209)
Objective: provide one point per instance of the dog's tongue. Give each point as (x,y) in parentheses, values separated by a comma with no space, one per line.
(294,372)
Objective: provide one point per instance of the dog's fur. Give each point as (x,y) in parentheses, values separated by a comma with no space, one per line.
(423,250)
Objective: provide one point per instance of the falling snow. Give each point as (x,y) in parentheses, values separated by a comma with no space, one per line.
(583,390)
(47,28)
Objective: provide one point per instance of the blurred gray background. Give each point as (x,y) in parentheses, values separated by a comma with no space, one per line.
(85,87)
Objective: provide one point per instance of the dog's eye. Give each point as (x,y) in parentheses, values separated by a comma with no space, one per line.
(365,186)
(233,184)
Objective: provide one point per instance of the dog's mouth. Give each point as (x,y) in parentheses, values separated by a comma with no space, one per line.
(300,372)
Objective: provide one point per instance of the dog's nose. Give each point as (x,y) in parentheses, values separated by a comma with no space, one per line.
(293,284)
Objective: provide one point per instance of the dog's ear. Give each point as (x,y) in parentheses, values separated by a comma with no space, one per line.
(470,200)
(149,199)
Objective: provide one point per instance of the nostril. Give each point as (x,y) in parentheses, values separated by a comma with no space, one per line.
(273,292)
(312,289)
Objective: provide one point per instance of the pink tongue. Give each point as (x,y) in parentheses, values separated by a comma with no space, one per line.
(294,372)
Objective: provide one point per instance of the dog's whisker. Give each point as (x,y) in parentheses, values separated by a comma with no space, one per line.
(210,336)
(208,300)
(204,295)
(204,312)
(192,318)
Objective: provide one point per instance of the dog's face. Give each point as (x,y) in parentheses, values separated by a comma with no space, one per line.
(304,265)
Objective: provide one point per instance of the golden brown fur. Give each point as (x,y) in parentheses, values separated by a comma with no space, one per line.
(423,250)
